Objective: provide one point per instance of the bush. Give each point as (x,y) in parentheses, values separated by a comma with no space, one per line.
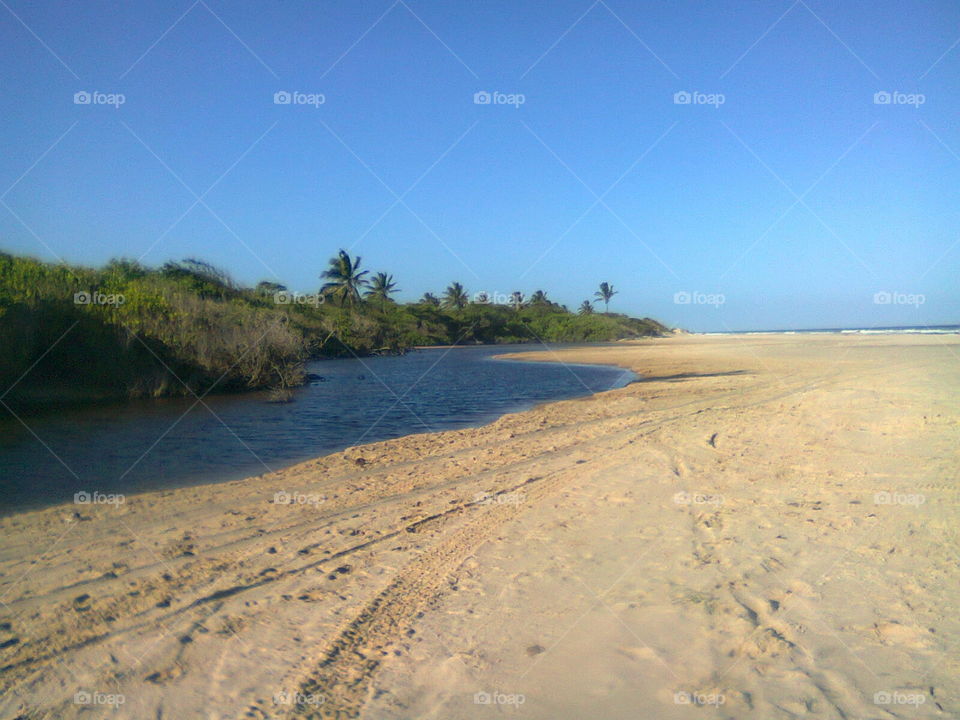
(158,333)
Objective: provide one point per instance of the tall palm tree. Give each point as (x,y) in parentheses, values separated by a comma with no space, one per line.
(539,298)
(516,299)
(430,299)
(345,279)
(382,287)
(605,292)
(586,308)
(455,296)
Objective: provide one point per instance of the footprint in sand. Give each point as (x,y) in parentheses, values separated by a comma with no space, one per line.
(894,633)
(638,653)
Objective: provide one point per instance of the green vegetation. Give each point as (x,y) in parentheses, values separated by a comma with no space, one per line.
(125,330)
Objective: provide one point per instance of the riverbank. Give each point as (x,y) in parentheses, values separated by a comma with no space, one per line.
(162,444)
(763,526)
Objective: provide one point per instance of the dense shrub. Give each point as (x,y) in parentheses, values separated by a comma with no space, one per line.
(125,331)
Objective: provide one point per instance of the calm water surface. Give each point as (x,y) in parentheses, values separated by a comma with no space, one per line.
(149,445)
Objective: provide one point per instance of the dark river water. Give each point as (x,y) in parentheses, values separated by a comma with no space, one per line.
(155,444)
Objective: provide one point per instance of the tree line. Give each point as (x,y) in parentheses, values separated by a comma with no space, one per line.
(71,333)
(347,284)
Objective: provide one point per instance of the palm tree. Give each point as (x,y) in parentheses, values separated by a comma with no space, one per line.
(586,308)
(381,287)
(345,278)
(430,299)
(455,296)
(605,292)
(516,299)
(539,298)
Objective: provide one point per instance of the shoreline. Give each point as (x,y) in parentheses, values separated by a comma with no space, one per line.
(408,575)
(259,396)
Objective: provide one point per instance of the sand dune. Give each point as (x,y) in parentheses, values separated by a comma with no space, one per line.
(763,527)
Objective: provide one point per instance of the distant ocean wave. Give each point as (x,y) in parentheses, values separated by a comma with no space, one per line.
(945,330)
(919,330)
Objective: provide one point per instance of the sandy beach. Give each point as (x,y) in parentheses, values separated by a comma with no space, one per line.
(764,526)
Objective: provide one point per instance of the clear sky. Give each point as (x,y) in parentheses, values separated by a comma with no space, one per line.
(783,189)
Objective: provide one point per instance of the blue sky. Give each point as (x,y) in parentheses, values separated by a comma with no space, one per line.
(790,205)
